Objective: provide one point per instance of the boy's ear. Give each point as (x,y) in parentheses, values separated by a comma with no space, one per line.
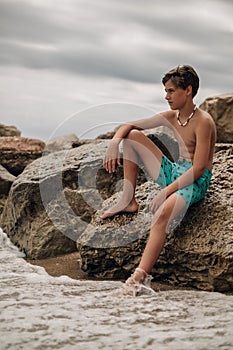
(189,90)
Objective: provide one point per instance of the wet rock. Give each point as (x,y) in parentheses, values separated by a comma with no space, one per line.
(10,130)
(221,109)
(17,152)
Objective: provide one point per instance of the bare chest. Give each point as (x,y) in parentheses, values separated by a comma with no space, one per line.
(186,137)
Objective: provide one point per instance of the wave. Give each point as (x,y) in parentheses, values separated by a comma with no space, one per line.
(39,311)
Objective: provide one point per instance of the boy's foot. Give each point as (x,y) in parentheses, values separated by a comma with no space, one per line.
(137,284)
(120,208)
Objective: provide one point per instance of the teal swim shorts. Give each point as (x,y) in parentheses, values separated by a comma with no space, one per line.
(170,171)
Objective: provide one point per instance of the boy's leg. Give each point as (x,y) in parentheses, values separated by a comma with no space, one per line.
(135,147)
(170,209)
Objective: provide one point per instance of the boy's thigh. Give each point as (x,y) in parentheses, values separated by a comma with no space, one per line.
(166,174)
(196,191)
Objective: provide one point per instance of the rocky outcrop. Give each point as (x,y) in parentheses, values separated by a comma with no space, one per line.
(17,152)
(57,195)
(199,253)
(9,130)
(57,200)
(53,207)
(51,202)
(221,109)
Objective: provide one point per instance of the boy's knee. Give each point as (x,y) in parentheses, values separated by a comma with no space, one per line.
(133,134)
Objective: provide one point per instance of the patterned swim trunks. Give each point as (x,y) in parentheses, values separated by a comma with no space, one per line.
(170,171)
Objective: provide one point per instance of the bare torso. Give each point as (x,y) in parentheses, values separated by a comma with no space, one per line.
(187,135)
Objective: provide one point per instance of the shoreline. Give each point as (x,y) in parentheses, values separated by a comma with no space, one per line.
(69,265)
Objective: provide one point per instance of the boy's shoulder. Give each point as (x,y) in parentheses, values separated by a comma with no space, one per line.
(205,124)
(205,118)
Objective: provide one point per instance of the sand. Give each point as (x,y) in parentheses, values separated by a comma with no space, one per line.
(69,265)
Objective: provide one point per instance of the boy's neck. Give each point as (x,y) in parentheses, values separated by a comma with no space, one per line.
(185,111)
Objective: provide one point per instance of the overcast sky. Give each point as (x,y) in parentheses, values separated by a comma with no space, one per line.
(68,66)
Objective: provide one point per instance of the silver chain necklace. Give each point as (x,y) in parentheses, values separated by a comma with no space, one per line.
(188,119)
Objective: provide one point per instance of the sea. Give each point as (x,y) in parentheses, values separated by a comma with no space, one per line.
(38,311)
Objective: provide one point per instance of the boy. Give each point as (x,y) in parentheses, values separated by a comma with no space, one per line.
(182,183)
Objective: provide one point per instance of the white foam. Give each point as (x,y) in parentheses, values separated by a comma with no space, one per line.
(42,312)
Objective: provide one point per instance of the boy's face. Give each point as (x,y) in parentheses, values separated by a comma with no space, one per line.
(175,96)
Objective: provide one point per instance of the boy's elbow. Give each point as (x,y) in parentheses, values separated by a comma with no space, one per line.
(198,172)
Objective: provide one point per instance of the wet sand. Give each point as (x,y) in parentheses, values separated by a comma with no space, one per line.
(69,265)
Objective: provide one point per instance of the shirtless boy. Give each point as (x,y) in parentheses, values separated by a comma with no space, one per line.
(182,183)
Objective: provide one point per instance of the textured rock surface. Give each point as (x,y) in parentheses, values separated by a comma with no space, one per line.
(56,196)
(49,204)
(200,251)
(6,130)
(6,180)
(57,199)
(221,109)
(61,143)
(17,152)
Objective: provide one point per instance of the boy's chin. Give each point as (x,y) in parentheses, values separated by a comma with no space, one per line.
(173,107)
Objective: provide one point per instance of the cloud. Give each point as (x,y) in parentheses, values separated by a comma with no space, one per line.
(88,51)
(105,38)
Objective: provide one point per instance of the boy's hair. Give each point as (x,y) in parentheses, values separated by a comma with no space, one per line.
(182,77)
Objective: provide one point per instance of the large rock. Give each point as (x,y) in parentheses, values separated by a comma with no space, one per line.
(17,152)
(199,253)
(52,201)
(9,130)
(221,109)
(55,197)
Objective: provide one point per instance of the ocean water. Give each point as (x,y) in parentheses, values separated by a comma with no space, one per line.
(38,311)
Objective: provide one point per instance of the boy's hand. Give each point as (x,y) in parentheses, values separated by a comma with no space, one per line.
(158,200)
(112,157)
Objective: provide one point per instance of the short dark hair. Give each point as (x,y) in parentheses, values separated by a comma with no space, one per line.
(182,77)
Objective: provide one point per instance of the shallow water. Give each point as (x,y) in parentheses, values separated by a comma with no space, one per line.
(38,311)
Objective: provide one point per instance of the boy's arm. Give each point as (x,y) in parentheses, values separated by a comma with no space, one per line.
(112,156)
(160,119)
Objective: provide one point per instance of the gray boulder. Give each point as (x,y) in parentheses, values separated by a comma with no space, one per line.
(60,143)
(52,202)
(198,252)
(221,109)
